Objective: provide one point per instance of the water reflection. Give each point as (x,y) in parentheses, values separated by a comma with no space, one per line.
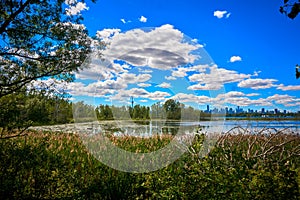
(151,128)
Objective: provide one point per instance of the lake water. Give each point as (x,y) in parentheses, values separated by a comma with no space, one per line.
(146,129)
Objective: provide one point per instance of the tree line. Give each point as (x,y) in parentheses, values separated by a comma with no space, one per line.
(25,109)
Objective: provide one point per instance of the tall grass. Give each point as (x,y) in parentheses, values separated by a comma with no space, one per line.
(44,165)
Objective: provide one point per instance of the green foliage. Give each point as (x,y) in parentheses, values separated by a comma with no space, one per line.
(138,112)
(35,45)
(35,108)
(46,165)
(173,110)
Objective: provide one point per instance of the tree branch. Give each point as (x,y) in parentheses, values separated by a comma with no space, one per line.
(13,16)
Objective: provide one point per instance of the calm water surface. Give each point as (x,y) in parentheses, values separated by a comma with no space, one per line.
(150,128)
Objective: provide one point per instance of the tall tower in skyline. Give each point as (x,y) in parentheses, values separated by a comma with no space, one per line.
(131,101)
(207,109)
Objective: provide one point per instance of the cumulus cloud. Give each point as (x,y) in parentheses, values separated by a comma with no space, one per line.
(107,34)
(180,72)
(257,83)
(143,19)
(144,85)
(140,93)
(91,90)
(233,96)
(100,70)
(107,85)
(170,78)
(286,100)
(288,87)
(235,59)
(160,48)
(220,14)
(76,9)
(215,78)
(206,86)
(241,99)
(192,98)
(164,85)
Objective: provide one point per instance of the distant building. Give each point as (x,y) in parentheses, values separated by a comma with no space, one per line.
(263,111)
(207,109)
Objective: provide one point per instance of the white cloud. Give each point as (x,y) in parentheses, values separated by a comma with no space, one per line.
(241,99)
(164,85)
(244,101)
(215,78)
(100,70)
(160,48)
(206,86)
(285,100)
(133,78)
(180,72)
(182,97)
(257,83)
(148,71)
(235,59)
(199,68)
(220,14)
(92,90)
(253,94)
(170,78)
(124,21)
(234,94)
(231,94)
(144,85)
(143,19)
(75,10)
(288,87)
(110,83)
(140,93)
(107,34)
(256,73)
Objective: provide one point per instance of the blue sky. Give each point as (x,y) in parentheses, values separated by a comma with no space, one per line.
(249,41)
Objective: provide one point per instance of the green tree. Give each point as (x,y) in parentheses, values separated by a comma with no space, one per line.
(40,39)
(137,112)
(173,109)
